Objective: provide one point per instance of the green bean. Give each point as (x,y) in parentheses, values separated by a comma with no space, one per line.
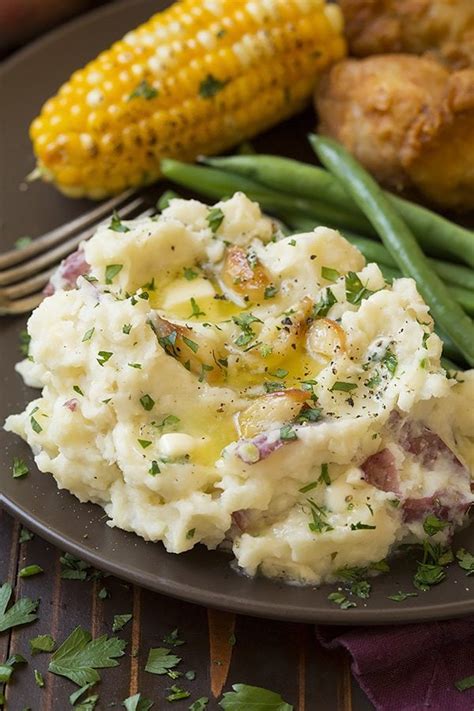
(217,184)
(436,234)
(399,241)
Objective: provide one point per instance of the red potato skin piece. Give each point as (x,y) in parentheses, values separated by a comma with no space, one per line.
(380,470)
(70,270)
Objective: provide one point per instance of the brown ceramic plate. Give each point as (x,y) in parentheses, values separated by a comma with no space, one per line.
(199,576)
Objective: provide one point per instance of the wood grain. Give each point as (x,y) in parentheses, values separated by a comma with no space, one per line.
(284,657)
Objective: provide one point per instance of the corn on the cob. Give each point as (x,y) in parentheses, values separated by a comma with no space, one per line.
(195,79)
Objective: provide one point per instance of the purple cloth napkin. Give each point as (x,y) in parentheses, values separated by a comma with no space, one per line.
(411,667)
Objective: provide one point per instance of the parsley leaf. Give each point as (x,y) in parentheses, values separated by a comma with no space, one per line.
(88,334)
(173,639)
(401,596)
(189,273)
(126,328)
(29,571)
(340,386)
(164,200)
(24,339)
(390,361)
(199,704)
(355,290)
(177,694)
(214,218)
(210,86)
(319,523)
(270,291)
(245,697)
(76,695)
(465,560)
(143,90)
(160,661)
(287,433)
(39,679)
(330,274)
(326,301)
(19,468)
(21,613)
(111,271)
(137,703)
(196,310)
(338,598)
(120,621)
(147,402)
(25,535)
(116,225)
(359,526)
(466,683)
(432,525)
(79,656)
(104,356)
(73,568)
(42,643)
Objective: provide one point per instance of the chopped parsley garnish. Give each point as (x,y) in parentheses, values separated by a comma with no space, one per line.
(308,487)
(214,218)
(164,200)
(324,476)
(111,271)
(154,468)
(432,525)
(465,560)
(126,328)
(287,433)
(401,596)
(245,697)
(270,291)
(77,390)
(137,702)
(39,679)
(88,334)
(466,683)
(42,643)
(190,533)
(355,580)
(147,402)
(273,387)
(176,694)
(319,523)
(326,301)
(35,425)
(172,638)
(265,350)
(20,613)
(168,421)
(120,621)
(355,290)
(338,598)
(104,356)
(340,386)
(292,243)
(309,414)
(19,468)
(22,242)
(160,661)
(73,568)
(359,526)
(116,225)
(143,90)
(25,339)
(204,369)
(430,569)
(25,535)
(189,273)
(390,361)
(196,311)
(200,704)
(210,86)
(30,570)
(330,274)
(191,344)
(138,366)
(79,656)
(279,373)
(374,380)
(244,322)
(103,594)
(144,443)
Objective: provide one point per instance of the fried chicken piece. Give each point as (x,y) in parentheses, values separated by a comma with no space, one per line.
(408,121)
(443,28)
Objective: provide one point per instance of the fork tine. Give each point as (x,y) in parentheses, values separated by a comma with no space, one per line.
(10,276)
(22,306)
(29,286)
(94,216)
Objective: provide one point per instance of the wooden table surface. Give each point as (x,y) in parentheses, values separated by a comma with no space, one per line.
(222,648)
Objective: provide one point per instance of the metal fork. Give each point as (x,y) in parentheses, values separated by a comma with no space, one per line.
(25,272)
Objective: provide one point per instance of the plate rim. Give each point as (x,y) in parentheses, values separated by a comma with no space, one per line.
(411,613)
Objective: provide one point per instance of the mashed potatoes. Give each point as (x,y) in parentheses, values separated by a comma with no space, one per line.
(205,378)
